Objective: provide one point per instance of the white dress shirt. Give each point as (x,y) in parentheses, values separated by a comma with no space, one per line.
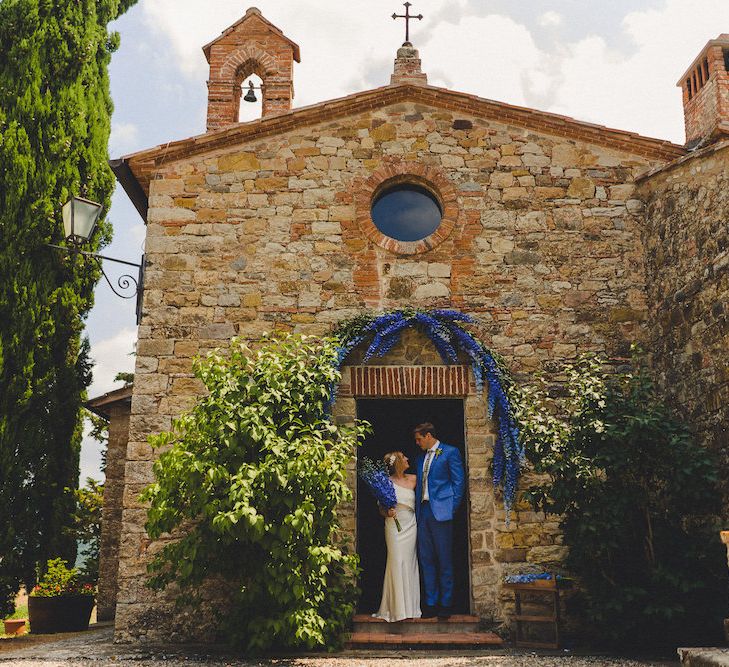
(430,453)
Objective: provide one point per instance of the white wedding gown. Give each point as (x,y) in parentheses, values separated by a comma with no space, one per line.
(401,587)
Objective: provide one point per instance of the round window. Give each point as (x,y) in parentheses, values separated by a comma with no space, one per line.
(406,212)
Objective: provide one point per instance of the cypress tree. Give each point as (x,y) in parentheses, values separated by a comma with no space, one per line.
(55,111)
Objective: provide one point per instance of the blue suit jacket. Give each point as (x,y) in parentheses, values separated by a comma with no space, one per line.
(446,482)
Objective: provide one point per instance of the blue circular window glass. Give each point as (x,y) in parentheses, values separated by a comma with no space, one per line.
(406,212)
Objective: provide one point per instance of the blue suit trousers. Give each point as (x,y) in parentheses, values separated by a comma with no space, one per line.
(435,553)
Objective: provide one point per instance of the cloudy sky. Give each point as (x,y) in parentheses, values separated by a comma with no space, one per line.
(614,63)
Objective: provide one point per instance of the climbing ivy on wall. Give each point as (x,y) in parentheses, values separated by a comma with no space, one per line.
(251,482)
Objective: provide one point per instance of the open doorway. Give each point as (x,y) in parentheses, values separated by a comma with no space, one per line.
(393,421)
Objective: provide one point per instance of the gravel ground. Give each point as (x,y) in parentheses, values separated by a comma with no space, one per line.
(96,649)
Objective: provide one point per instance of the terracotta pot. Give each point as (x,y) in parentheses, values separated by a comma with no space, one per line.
(15,626)
(66,613)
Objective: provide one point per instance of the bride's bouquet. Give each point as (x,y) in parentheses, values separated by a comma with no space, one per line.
(374,474)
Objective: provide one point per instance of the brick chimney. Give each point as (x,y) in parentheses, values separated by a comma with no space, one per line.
(253,45)
(705,88)
(407,67)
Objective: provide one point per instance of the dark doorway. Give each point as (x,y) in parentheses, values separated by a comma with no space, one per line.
(393,421)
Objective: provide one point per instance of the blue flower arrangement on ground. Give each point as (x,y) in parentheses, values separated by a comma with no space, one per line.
(379,483)
(447,330)
(528,578)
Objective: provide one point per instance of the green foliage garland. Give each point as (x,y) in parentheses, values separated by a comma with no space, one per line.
(634,492)
(250,483)
(54,128)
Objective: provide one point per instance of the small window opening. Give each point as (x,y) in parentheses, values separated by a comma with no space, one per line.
(406,212)
(706,69)
(726,59)
(700,72)
(250,110)
(689,88)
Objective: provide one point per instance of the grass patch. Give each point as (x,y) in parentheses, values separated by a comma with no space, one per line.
(20,612)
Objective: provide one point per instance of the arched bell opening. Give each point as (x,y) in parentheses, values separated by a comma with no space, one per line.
(250,106)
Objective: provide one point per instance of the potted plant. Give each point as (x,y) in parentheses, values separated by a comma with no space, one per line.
(60,602)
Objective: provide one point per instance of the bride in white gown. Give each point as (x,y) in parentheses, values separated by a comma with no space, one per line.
(401,587)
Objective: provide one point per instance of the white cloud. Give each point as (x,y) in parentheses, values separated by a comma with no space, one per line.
(112,356)
(494,56)
(339,44)
(638,91)
(138,233)
(550,19)
(90,461)
(123,138)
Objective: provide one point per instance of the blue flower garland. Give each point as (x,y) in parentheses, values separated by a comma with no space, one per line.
(445,328)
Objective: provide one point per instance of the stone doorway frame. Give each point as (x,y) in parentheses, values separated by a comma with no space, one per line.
(462,594)
(437,381)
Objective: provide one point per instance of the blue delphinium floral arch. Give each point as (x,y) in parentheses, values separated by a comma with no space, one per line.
(448,333)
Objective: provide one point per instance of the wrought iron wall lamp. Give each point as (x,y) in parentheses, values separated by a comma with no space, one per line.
(79,220)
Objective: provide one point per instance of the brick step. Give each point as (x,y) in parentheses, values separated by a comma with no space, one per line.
(458,623)
(456,640)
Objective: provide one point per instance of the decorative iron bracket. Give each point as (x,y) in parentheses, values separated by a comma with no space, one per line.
(128,286)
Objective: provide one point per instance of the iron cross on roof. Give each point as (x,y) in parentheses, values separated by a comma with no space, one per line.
(407,18)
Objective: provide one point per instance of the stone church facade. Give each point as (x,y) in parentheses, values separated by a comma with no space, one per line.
(560,236)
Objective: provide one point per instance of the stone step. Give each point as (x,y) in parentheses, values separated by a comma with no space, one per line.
(458,623)
(704,657)
(423,640)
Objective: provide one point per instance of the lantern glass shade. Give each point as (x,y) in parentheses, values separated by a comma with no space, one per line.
(79,218)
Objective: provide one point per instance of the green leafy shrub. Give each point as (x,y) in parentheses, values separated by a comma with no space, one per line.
(59,579)
(255,473)
(635,494)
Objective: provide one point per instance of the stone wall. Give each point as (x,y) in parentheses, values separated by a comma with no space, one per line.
(542,244)
(111,519)
(687,267)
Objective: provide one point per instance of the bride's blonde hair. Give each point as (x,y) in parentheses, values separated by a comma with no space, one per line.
(391,458)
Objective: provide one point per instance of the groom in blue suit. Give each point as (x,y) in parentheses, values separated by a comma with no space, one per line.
(438,493)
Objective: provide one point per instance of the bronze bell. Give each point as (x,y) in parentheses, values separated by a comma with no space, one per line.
(250,96)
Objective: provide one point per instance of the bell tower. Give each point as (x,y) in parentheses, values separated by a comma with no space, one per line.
(252,45)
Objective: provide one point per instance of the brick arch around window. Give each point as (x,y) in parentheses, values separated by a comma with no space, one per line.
(246,61)
(391,173)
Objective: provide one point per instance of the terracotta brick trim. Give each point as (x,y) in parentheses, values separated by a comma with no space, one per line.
(253,58)
(253,11)
(404,381)
(395,172)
